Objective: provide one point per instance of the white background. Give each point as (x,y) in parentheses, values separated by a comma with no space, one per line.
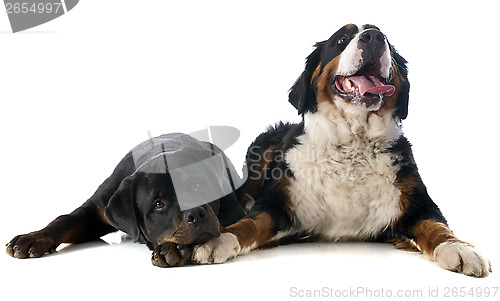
(80,91)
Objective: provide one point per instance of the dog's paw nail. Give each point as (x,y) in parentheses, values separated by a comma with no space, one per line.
(462,258)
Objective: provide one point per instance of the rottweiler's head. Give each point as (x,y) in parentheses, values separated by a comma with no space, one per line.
(174,195)
(146,207)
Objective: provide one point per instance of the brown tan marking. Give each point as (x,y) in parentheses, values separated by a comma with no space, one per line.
(430,234)
(185,234)
(389,103)
(367,26)
(252,232)
(321,81)
(407,186)
(283,184)
(405,244)
(103,218)
(351,26)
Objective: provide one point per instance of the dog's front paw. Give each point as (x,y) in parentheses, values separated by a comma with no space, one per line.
(171,255)
(34,244)
(217,250)
(462,258)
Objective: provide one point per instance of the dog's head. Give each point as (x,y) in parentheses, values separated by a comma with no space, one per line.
(146,207)
(356,69)
(175,193)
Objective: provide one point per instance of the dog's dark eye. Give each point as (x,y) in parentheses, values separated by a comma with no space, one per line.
(343,39)
(159,204)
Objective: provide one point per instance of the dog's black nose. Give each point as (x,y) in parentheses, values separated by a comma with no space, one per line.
(372,36)
(194,216)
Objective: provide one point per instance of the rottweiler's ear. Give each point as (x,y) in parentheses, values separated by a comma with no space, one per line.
(404,90)
(120,211)
(302,95)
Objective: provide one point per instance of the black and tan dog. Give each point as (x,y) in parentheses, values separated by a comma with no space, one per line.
(140,199)
(346,172)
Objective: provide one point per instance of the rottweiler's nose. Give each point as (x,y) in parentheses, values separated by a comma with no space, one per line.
(372,36)
(194,216)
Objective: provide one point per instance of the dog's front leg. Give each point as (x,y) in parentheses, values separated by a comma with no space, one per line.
(240,238)
(437,240)
(84,224)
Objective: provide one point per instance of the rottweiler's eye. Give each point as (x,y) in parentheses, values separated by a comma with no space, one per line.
(159,204)
(343,39)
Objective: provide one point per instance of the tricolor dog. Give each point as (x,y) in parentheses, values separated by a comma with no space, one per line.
(346,172)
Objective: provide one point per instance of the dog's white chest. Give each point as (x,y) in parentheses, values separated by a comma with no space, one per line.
(343,192)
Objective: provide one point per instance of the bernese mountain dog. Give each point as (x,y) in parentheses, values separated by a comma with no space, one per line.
(346,172)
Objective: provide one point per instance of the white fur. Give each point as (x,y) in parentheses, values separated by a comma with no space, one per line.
(248,201)
(350,58)
(351,61)
(218,250)
(344,184)
(462,258)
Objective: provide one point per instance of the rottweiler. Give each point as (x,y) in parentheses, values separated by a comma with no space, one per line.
(170,192)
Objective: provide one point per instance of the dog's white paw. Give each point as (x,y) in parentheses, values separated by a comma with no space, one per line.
(462,258)
(217,250)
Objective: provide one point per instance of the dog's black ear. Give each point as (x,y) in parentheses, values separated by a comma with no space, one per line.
(302,95)
(120,211)
(404,90)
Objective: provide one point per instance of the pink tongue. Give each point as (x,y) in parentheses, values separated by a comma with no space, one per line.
(371,84)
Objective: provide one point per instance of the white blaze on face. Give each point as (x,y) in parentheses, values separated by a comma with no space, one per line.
(385,62)
(351,59)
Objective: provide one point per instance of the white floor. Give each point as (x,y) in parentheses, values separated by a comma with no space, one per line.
(325,270)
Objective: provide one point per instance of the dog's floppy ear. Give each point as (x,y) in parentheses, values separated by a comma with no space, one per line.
(404,90)
(302,95)
(120,211)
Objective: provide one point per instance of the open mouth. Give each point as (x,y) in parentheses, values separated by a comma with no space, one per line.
(365,88)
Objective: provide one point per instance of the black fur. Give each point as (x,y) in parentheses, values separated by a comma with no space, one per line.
(142,204)
(270,192)
(302,94)
(404,90)
(421,207)
(271,197)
